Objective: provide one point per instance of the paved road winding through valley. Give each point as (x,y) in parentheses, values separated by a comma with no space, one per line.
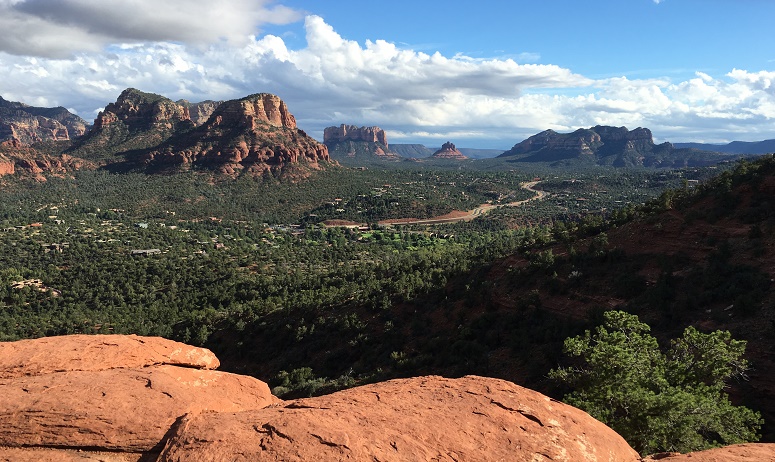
(471,214)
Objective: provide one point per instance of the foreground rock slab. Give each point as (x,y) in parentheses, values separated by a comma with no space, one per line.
(117,409)
(427,418)
(97,352)
(65,455)
(109,397)
(735,453)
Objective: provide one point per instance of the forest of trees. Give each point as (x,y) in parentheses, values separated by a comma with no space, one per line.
(219,262)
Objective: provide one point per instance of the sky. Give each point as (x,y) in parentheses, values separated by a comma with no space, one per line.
(483,74)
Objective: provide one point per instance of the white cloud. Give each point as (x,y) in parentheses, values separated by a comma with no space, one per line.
(60,28)
(409,93)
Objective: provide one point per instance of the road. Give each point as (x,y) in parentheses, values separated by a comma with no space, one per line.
(471,214)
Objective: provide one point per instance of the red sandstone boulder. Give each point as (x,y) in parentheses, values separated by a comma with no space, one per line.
(117,409)
(97,352)
(428,418)
(736,453)
(67,455)
(108,397)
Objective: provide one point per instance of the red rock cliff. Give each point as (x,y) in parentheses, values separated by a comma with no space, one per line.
(353,133)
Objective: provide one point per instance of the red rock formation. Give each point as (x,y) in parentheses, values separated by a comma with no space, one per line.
(138,109)
(17,158)
(427,418)
(253,134)
(736,453)
(28,124)
(117,398)
(448,151)
(90,409)
(115,393)
(96,353)
(200,112)
(251,112)
(353,133)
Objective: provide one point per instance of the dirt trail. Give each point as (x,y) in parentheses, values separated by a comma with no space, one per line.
(457,216)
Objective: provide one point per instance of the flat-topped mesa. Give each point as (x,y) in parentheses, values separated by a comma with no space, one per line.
(140,110)
(252,111)
(353,133)
(448,151)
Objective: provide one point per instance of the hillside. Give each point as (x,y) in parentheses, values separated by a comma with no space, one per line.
(702,256)
(602,145)
(27,124)
(143,131)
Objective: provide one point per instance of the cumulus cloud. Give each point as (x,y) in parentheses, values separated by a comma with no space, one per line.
(58,28)
(415,96)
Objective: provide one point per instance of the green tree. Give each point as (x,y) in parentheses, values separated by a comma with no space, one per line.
(673,401)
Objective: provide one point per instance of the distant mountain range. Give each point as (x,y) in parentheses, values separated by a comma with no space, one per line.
(29,124)
(735,147)
(604,145)
(419,151)
(148,132)
(257,134)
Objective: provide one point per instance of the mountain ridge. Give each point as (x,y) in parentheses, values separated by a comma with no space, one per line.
(30,124)
(606,145)
(734,147)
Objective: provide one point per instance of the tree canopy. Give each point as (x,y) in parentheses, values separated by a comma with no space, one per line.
(659,401)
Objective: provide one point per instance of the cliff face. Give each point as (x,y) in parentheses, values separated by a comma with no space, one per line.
(350,144)
(136,121)
(605,145)
(252,112)
(20,159)
(28,124)
(139,110)
(254,134)
(448,151)
(353,133)
(198,113)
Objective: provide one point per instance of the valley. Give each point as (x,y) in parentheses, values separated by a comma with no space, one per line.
(344,263)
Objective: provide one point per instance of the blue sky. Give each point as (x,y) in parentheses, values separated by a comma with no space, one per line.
(599,38)
(480,74)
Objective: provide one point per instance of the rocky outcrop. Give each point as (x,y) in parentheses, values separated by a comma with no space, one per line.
(448,151)
(139,110)
(110,393)
(736,453)
(353,133)
(254,135)
(252,112)
(136,121)
(27,124)
(97,352)
(348,143)
(19,159)
(603,145)
(117,398)
(198,113)
(426,418)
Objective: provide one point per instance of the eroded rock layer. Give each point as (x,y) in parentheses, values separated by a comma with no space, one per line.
(427,418)
(448,151)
